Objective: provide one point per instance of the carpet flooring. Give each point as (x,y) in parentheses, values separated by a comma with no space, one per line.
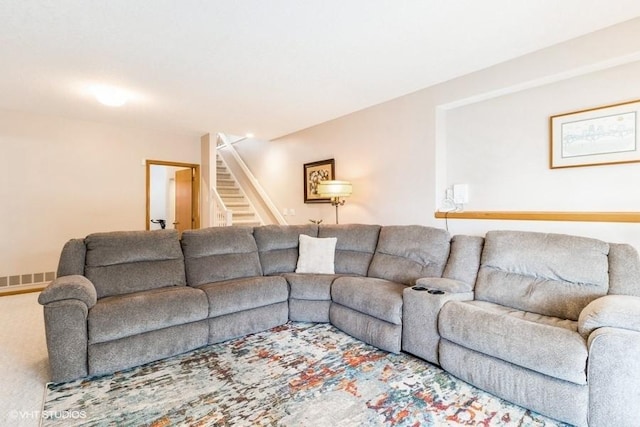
(24,367)
(298,374)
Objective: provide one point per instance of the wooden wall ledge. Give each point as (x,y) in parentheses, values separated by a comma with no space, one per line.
(543,216)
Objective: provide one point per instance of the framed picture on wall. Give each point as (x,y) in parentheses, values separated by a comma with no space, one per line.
(597,136)
(314,173)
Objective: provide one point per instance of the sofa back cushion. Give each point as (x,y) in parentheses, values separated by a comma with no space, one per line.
(464,260)
(355,246)
(551,274)
(122,262)
(278,246)
(220,253)
(406,253)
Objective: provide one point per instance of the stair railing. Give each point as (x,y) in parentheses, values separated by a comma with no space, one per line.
(222,216)
(225,142)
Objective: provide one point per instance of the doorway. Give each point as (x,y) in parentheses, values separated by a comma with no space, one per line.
(173,195)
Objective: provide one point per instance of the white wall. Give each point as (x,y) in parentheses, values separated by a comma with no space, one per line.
(500,147)
(64,178)
(509,136)
(402,154)
(380,150)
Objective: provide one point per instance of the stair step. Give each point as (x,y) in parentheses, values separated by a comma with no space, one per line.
(232,196)
(252,223)
(225,183)
(228,190)
(236,202)
(242,213)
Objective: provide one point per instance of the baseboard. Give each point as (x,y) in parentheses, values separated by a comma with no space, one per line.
(22,289)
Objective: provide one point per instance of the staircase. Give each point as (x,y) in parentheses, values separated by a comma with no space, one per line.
(233,197)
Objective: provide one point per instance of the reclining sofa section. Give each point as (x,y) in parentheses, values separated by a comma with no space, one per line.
(122,299)
(553,324)
(550,322)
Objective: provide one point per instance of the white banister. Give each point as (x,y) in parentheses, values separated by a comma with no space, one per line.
(221,215)
(228,144)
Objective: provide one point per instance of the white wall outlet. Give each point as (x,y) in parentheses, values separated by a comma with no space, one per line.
(448,194)
(292,211)
(460,193)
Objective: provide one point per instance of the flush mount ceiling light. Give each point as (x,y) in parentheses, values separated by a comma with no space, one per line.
(110,96)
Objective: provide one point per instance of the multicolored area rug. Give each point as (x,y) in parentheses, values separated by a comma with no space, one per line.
(298,374)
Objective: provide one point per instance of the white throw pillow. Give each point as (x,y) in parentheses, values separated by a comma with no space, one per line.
(316,255)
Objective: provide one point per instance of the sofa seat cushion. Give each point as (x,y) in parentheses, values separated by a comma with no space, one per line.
(544,344)
(231,296)
(310,286)
(126,315)
(378,298)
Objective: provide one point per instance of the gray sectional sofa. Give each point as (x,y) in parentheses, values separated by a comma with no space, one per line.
(550,322)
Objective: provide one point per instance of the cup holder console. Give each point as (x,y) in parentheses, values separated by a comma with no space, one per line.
(430,291)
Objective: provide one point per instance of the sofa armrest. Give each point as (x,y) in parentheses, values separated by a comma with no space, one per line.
(616,311)
(74,287)
(613,372)
(420,311)
(66,302)
(445,285)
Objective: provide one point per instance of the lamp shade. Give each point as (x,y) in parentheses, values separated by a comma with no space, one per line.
(334,188)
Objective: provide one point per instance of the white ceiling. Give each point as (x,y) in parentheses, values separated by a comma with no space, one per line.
(270,67)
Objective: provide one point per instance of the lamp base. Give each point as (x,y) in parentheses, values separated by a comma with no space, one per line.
(335,201)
